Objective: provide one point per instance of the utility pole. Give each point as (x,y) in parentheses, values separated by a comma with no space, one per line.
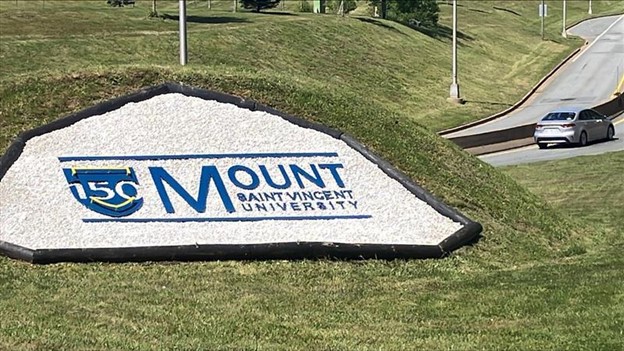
(563,33)
(454,91)
(183,48)
(543,14)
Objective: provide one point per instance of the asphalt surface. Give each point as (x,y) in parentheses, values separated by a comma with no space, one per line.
(587,80)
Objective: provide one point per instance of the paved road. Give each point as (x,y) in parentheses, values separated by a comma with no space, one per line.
(587,80)
(534,154)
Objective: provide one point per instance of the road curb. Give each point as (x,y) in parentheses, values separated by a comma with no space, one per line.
(504,146)
(517,105)
(576,23)
(531,92)
(513,138)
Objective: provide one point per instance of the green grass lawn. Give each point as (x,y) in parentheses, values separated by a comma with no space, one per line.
(403,69)
(542,277)
(585,187)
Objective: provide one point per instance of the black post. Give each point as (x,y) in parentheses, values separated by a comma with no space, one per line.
(384,8)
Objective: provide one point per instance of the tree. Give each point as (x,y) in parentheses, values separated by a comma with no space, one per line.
(258,5)
(424,12)
(346,5)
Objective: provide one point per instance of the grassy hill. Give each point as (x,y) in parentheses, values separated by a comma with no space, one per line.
(403,69)
(538,279)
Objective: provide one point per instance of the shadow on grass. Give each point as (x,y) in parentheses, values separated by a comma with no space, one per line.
(441,32)
(507,10)
(206,19)
(274,13)
(378,23)
(488,103)
(478,10)
(437,32)
(474,241)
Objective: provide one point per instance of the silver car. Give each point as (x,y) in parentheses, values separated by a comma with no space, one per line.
(573,126)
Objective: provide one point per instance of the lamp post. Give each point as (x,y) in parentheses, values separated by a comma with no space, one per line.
(590,10)
(542,14)
(454,90)
(183,48)
(563,33)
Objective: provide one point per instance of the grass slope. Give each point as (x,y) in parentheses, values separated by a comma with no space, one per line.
(401,68)
(517,217)
(592,191)
(514,288)
(535,281)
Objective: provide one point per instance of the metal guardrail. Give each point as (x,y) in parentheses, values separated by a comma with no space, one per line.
(520,102)
(500,140)
(505,139)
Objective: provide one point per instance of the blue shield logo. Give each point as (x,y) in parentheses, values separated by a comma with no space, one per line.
(109,191)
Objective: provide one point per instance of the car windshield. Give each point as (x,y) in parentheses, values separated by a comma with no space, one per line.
(559,116)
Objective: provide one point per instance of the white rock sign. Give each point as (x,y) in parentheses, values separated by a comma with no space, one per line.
(176,171)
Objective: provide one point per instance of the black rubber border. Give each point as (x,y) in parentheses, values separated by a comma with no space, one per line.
(288,250)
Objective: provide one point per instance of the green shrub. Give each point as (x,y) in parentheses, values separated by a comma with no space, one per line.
(305,6)
(334,5)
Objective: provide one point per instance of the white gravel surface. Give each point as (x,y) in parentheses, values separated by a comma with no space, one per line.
(37,209)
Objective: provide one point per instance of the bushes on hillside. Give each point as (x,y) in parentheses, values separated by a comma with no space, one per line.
(421,12)
(305,6)
(348,5)
(257,5)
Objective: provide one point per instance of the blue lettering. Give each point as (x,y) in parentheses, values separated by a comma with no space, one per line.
(268,197)
(160,176)
(333,168)
(314,178)
(269,180)
(255,182)
(294,196)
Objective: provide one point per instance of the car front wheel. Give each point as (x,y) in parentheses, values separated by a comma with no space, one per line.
(610,133)
(542,145)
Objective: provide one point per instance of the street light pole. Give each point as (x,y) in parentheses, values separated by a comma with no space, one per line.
(454,90)
(590,10)
(183,47)
(543,14)
(563,33)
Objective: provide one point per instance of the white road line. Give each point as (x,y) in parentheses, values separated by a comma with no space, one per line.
(598,38)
